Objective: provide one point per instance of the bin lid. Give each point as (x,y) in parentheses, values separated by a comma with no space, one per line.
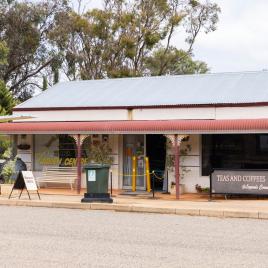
(96,166)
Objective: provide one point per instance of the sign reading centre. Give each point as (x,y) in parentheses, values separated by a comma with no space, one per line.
(253,182)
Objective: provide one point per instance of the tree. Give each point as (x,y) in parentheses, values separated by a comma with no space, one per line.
(121,39)
(7,101)
(40,40)
(45,84)
(173,62)
(24,27)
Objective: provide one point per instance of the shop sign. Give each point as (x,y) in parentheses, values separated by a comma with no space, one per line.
(25,180)
(253,182)
(29,180)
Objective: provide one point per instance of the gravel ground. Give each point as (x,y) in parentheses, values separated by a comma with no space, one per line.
(41,237)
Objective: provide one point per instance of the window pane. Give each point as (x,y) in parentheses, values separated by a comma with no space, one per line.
(245,151)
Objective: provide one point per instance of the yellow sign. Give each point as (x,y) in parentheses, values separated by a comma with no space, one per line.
(44,159)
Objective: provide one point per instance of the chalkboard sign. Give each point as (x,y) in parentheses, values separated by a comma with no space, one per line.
(25,180)
(240,182)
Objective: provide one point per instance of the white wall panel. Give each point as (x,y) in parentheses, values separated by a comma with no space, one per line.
(254,112)
(174,113)
(76,115)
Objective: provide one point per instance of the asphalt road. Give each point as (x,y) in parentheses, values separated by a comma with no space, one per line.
(41,237)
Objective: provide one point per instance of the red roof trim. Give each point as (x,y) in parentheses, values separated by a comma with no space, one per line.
(154,126)
(141,107)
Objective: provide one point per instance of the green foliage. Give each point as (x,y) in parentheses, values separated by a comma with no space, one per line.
(131,38)
(7,101)
(124,38)
(3,53)
(5,147)
(8,170)
(174,62)
(101,154)
(170,159)
(25,26)
(7,153)
(200,189)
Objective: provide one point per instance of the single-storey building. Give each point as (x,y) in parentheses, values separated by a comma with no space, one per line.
(201,121)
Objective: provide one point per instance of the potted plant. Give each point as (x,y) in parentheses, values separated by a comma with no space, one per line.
(173,188)
(101,154)
(202,190)
(170,163)
(24,146)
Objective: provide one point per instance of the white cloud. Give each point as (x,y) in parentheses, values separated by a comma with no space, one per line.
(241,40)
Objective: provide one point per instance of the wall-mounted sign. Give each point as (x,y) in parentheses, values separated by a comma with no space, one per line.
(246,182)
(91,175)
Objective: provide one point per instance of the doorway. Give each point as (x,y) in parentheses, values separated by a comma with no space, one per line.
(156,151)
(134,146)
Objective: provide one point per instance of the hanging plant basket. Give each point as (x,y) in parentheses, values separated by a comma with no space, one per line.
(24,146)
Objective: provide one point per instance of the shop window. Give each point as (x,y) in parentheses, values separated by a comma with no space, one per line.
(245,151)
(60,150)
(67,151)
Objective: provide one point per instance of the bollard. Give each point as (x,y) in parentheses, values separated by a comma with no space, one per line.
(148,178)
(134,163)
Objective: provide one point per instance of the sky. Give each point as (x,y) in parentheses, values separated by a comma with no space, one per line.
(240,42)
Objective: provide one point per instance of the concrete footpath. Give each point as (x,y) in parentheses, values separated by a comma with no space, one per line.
(255,209)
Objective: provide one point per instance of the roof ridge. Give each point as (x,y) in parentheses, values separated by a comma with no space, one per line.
(163,76)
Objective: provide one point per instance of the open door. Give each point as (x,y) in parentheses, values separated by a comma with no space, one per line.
(134,146)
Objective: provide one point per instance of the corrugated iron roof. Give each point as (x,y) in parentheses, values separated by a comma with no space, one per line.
(146,127)
(221,88)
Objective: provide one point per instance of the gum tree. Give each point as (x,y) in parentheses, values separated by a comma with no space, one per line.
(122,38)
(24,27)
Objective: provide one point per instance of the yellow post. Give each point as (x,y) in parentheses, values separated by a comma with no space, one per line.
(134,174)
(147,167)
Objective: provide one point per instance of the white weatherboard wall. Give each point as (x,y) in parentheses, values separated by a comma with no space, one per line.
(253,112)
(76,115)
(173,113)
(192,164)
(114,145)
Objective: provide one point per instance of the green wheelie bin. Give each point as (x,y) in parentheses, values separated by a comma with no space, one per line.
(97,184)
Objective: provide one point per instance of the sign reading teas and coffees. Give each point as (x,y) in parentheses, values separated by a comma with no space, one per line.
(239,182)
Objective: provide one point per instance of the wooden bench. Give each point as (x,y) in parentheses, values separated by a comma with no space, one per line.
(58,175)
